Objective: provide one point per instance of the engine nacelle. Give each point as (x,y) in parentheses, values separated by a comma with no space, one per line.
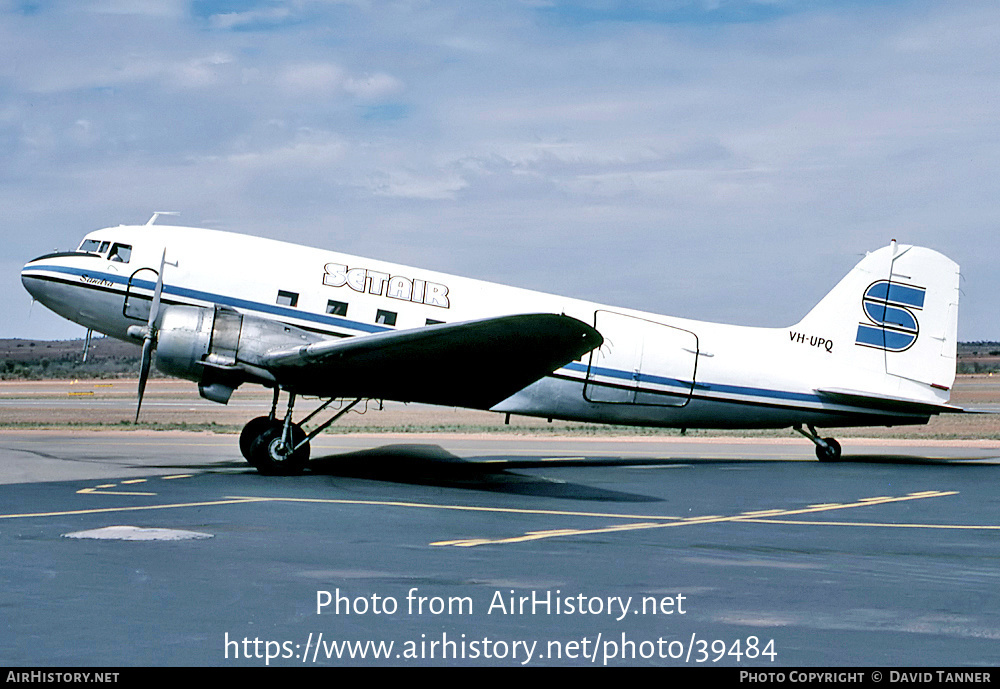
(220,348)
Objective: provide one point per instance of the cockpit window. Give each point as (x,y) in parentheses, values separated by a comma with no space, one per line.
(120,253)
(91,246)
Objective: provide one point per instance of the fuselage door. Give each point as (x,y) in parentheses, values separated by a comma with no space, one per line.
(641,362)
(137,305)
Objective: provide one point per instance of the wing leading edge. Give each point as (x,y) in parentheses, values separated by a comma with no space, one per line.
(472,364)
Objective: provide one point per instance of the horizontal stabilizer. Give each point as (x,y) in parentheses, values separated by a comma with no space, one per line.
(869,400)
(471,364)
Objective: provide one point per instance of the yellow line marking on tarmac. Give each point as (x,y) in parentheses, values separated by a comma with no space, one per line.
(94,491)
(467,508)
(98,510)
(649,521)
(536,535)
(806,522)
(102,489)
(670,521)
(506,460)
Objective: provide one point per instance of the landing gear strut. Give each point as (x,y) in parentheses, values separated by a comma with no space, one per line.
(827,449)
(256,427)
(280,451)
(280,447)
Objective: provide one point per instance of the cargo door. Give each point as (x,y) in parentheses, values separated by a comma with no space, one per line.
(641,362)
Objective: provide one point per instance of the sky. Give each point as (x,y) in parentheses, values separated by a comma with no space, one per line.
(724,160)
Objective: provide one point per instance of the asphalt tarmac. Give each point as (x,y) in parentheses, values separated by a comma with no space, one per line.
(498,551)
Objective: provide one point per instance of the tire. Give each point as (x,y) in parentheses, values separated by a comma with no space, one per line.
(251,431)
(268,454)
(831,453)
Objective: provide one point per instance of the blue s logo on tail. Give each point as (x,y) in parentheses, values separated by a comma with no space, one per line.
(890,307)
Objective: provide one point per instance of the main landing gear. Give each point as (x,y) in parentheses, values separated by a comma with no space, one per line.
(278,447)
(827,449)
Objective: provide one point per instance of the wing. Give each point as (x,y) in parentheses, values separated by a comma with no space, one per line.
(472,364)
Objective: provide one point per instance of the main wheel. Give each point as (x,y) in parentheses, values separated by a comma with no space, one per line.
(830,453)
(272,457)
(252,430)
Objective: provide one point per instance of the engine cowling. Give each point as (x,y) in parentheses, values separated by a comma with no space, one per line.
(220,348)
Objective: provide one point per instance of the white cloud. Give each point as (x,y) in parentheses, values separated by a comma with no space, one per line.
(168,9)
(321,78)
(309,149)
(409,185)
(328,79)
(232,20)
(372,86)
(500,138)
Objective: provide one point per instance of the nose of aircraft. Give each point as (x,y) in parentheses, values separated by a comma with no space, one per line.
(46,279)
(37,277)
(30,283)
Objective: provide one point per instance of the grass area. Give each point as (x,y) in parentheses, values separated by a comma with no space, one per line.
(110,358)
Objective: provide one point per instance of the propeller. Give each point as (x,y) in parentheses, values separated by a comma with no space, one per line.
(149,335)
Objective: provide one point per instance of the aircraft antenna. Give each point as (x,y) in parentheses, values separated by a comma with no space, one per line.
(157,214)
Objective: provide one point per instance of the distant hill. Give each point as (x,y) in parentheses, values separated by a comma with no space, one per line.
(37,359)
(110,358)
(978,357)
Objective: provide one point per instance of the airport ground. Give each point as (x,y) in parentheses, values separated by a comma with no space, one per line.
(431,541)
(175,404)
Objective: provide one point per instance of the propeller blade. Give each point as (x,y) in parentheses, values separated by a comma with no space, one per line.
(147,355)
(154,309)
(150,341)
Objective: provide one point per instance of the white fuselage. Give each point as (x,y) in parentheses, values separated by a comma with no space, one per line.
(651,370)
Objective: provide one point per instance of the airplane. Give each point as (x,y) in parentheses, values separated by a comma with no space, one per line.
(224,309)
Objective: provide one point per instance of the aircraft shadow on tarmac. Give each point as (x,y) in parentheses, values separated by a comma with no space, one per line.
(404,463)
(432,465)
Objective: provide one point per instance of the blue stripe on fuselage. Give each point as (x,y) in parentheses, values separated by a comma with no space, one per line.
(700,387)
(221,299)
(366,327)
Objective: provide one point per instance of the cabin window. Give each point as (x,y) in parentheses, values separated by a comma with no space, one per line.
(287,298)
(120,253)
(385,317)
(336,308)
(431,321)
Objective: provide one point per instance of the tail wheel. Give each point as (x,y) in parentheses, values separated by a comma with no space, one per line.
(830,453)
(272,457)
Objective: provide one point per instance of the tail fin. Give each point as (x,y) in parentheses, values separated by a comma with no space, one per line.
(894,320)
